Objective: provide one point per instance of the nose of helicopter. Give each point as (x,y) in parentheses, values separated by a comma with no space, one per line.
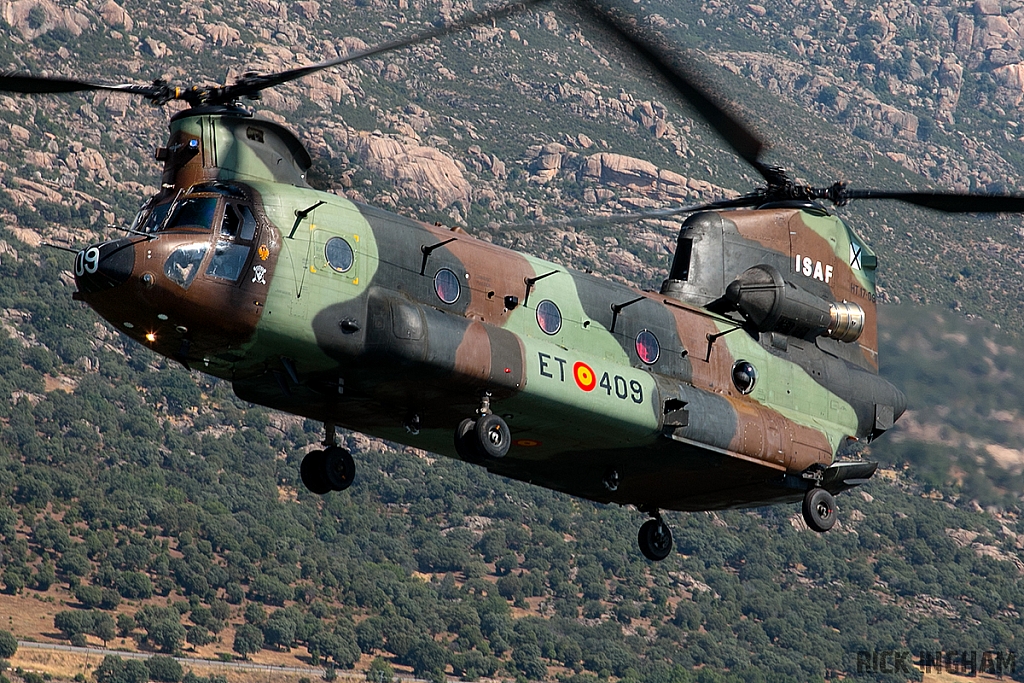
(105,265)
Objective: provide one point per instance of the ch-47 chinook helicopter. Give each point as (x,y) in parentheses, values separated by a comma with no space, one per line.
(736,385)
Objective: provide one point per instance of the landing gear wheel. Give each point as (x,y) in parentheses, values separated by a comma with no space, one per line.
(819,510)
(465,441)
(313,472)
(655,539)
(339,468)
(492,436)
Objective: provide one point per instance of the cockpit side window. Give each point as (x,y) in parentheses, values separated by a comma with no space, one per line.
(248,224)
(228,261)
(229,225)
(152,221)
(237,230)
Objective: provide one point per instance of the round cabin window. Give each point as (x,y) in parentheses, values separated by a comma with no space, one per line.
(647,347)
(744,376)
(447,287)
(549,318)
(339,254)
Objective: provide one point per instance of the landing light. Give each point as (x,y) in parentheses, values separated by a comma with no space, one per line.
(150,337)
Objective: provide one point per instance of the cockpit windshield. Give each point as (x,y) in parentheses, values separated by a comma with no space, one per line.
(195,212)
(192,212)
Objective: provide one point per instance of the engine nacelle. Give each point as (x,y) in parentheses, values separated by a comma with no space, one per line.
(765,298)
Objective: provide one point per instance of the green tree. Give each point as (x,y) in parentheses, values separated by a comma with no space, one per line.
(8,523)
(14,579)
(89,596)
(125,624)
(370,634)
(220,610)
(234,593)
(164,669)
(74,563)
(103,627)
(320,644)
(527,659)
(44,578)
(380,671)
(167,635)
(134,586)
(198,636)
(73,623)
(8,644)
(113,669)
(343,652)
(279,631)
(255,614)
(248,640)
(426,657)
(270,590)
(109,599)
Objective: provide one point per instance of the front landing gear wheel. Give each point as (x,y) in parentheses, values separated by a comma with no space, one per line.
(339,468)
(655,539)
(492,436)
(819,510)
(313,472)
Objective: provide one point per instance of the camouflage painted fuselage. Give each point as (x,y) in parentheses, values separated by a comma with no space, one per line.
(316,305)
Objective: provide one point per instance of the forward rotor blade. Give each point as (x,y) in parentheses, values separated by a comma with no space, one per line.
(949,202)
(249,85)
(252,84)
(683,80)
(38,85)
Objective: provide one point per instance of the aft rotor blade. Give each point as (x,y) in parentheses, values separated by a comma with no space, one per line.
(950,202)
(619,218)
(38,85)
(684,81)
(252,84)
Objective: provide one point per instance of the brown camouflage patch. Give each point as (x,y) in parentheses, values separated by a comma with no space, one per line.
(473,356)
(494,273)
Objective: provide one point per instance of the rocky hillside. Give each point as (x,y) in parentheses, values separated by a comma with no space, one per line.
(111,472)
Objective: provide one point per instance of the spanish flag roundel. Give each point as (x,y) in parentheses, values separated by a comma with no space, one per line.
(584,376)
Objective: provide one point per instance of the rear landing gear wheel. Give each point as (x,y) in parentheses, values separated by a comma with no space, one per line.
(655,539)
(819,510)
(465,441)
(313,472)
(492,436)
(339,468)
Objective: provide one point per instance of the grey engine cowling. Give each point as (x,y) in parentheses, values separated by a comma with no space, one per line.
(765,298)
